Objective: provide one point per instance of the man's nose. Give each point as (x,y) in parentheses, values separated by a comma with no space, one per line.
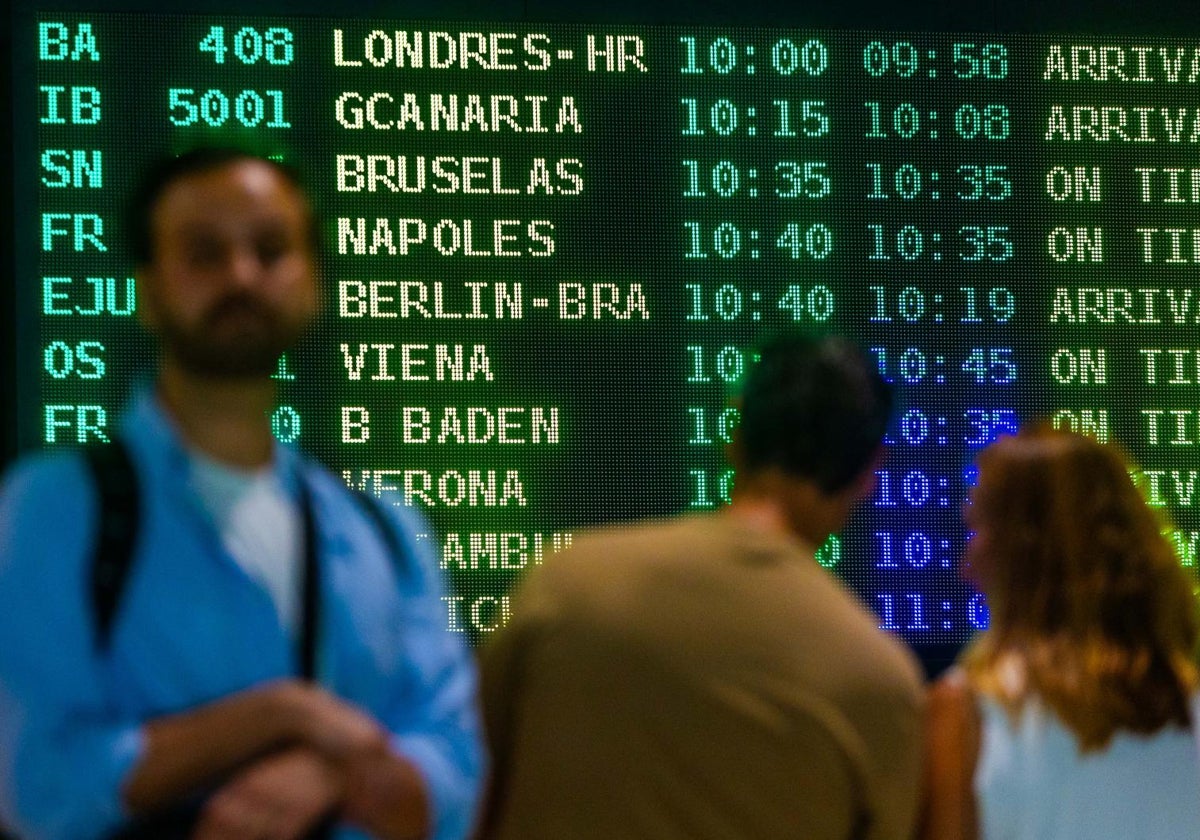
(245,267)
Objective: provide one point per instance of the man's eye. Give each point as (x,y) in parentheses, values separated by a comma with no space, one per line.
(203,253)
(272,248)
(270,253)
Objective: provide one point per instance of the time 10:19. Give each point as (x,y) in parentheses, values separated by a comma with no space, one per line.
(912,305)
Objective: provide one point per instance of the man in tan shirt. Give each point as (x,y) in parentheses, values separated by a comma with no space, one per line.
(703,677)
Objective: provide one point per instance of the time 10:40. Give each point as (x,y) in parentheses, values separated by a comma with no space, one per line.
(729,303)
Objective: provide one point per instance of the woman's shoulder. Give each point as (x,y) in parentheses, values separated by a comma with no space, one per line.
(952,704)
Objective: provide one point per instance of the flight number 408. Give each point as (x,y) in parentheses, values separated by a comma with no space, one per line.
(249,46)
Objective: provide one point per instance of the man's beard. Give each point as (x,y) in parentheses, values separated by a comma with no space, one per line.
(212,348)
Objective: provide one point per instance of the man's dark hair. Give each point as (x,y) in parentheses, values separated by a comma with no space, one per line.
(160,176)
(815,408)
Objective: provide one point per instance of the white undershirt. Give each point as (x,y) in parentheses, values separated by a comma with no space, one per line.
(260,525)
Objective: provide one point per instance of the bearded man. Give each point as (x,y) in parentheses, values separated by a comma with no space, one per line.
(271,661)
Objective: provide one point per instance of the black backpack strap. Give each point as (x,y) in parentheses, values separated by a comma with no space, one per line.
(310,590)
(118,516)
(116,482)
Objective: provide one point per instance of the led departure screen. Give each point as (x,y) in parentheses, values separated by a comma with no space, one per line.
(551,249)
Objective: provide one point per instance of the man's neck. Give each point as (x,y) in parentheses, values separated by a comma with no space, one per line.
(772,515)
(778,503)
(225,419)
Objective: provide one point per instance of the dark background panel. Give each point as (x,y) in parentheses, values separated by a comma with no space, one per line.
(613,479)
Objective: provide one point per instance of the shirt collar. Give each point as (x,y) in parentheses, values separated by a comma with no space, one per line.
(150,429)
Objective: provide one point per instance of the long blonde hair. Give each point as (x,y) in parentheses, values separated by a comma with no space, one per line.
(1085,592)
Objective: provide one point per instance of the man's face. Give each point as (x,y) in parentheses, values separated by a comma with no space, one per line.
(231,283)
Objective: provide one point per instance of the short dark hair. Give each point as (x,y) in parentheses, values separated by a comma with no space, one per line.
(139,227)
(815,408)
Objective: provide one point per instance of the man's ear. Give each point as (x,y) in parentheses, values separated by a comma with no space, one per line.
(146,307)
(734,453)
(864,485)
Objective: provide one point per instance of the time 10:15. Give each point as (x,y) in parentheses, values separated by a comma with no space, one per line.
(725,119)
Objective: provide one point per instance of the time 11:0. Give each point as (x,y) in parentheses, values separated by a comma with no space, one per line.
(913,605)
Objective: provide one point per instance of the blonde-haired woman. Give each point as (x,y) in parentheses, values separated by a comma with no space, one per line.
(1069,718)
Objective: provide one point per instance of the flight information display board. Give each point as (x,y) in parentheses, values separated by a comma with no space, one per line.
(551,249)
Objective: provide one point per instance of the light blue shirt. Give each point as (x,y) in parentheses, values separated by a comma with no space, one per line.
(193,627)
(261,525)
(1032,783)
